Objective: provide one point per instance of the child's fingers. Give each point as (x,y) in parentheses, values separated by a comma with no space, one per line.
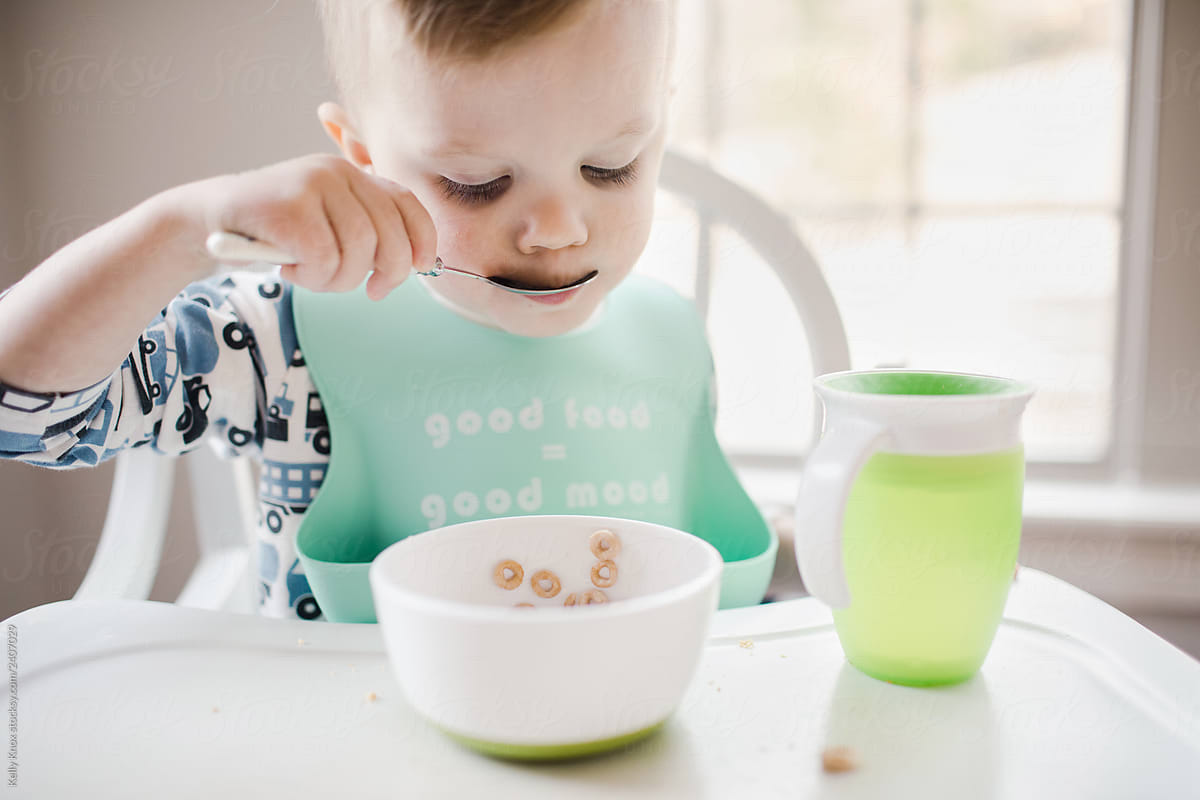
(355,234)
(295,206)
(315,248)
(393,255)
(422,236)
(337,222)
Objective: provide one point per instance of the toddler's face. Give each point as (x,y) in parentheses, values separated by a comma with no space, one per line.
(538,165)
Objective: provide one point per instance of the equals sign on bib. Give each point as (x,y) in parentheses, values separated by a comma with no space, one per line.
(554,452)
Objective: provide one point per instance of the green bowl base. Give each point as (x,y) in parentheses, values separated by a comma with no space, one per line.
(551,752)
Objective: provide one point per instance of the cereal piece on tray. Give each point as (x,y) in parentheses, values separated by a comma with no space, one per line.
(838,759)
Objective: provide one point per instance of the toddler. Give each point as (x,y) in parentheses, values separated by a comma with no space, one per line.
(519,140)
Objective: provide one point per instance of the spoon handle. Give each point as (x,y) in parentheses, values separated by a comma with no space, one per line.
(230,246)
(439,267)
(233,246)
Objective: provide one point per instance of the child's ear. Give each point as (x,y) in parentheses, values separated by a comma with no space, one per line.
(340,128)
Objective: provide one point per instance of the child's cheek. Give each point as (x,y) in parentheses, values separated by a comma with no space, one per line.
(632,228)
(452,223)
(459,240)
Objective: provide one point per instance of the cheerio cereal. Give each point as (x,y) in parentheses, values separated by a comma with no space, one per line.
(508,574)
(604,574)
(545,583)
(604,545)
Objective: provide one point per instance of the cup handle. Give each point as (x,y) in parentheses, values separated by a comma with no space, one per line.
(829,473)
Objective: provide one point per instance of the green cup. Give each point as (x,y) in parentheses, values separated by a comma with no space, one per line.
(908,519)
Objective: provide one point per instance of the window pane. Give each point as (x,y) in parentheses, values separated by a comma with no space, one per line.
(764,374)
(1031,296)
(1022,101)
(804,101)
(956,167)
(866,263)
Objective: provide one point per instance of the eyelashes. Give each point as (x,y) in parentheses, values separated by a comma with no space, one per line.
(621,176)
(481,193)
(474,193)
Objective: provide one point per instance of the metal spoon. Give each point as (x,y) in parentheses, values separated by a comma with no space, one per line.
(233,246)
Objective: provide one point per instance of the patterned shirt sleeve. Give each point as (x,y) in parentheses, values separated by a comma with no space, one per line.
(195,368)
(222,364)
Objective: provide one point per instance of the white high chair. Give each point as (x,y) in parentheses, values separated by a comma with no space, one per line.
(223,490)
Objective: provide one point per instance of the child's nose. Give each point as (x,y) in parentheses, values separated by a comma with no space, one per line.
(551,224)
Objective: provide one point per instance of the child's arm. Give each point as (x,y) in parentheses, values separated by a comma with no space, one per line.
(70,321)
(73,319)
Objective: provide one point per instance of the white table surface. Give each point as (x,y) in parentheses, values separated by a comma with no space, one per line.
(125,699)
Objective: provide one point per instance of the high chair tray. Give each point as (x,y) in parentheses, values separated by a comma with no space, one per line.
(125,699)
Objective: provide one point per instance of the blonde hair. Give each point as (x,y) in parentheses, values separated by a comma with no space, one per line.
(444,30)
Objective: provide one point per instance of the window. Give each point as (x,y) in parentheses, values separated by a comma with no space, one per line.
(957,168)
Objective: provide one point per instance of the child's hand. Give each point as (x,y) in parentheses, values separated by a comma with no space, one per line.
(337,221)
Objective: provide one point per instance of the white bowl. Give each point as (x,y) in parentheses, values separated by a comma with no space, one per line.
(550,681)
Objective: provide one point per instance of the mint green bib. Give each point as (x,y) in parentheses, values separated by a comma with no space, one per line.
(436,420)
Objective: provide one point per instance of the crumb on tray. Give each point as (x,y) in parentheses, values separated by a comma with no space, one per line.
(838,759)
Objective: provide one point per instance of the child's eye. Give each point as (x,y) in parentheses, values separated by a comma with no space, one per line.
(480,193)
(618,177)
(474,193)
